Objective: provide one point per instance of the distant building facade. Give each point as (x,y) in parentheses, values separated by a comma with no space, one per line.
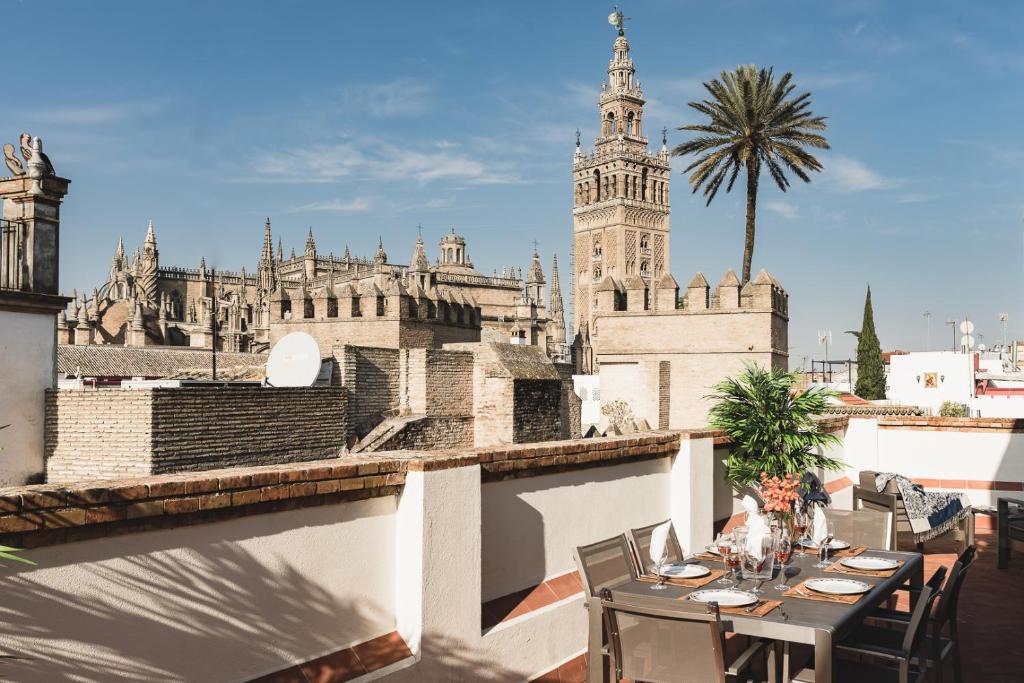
(339,300)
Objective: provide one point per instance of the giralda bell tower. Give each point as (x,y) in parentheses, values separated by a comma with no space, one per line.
(621,200)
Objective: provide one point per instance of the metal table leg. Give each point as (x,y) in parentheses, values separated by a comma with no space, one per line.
(822,656)
(595,662)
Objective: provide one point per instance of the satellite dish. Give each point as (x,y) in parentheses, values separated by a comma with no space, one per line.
(981,347)
(294,361)
(967,327)
(967,341)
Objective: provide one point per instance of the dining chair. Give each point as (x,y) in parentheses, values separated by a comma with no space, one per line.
(671,646)
(902,663)
(945,637)
(641,541)
(1010,528)
(863,528)
(601,565)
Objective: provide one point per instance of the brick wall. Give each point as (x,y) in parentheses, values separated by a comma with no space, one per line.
(449,382)
(116,433)
(98,434)
(536,413)
(664,394)
(432,433)
(371,376)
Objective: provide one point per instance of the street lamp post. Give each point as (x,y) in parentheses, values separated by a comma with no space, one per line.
(952,324)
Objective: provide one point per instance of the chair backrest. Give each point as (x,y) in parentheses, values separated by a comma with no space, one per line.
(914,636)
(641,540)
(947,607)
(868,528)
(664,646)
(604,564)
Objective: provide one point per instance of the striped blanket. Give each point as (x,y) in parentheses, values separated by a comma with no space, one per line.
(931,514)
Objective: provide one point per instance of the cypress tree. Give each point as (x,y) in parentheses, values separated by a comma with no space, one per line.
(870,373)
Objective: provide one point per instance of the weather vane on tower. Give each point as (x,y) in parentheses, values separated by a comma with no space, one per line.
(618,20)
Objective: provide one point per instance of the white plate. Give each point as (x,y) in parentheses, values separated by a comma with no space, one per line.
(836,544)
(866,563)
(837,586)
(726,597)
(713,549)
(684,571)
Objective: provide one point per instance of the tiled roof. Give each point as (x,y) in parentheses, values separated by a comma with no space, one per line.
(103,360)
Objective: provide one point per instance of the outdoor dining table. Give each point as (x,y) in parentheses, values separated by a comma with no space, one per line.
(798,620)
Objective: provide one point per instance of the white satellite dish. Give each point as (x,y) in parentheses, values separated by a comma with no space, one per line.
(294,361)
(981,347)
(967,327)
(967,341)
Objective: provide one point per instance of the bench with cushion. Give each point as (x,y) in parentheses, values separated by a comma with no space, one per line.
(866,497)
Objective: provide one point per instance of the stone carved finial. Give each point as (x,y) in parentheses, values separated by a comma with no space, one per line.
(14,164)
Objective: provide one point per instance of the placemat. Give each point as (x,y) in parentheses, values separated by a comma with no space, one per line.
(839,568)
(804,593)
(707,557)
(687,583)
(838,554)
(762,609)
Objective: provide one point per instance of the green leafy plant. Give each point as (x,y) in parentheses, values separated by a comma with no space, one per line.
(753,123)
(771,424)
(870,371)
(952,409)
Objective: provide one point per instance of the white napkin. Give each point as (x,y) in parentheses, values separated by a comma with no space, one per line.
(819,525)
(757,528)
(659,537)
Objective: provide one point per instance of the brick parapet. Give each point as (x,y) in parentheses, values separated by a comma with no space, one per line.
(954,424)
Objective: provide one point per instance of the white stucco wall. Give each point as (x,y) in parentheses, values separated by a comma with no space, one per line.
(532,525)
(906,378)
(227,601)
(27,368)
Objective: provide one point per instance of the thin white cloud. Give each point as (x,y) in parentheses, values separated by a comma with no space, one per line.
(400,97)
(849,175)
(335,206)
(372,160)
(784,209)
(914,198)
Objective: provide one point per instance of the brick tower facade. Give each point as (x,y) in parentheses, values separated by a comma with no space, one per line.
(621,193)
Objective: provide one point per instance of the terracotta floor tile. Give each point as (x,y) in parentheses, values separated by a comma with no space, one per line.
(573,671)
(334,668)
(566,585)
(290,675)
(382,651)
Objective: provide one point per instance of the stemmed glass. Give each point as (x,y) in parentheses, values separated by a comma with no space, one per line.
(732,563)
(656,569)
(783,551)
(801,523)
(823,547)
(757,563)
(724,546)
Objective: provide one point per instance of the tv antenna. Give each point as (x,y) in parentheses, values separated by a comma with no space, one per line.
(825,337)
(952,325)
(928,333)
(1004,318)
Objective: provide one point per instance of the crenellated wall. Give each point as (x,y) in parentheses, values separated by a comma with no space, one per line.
(664,359)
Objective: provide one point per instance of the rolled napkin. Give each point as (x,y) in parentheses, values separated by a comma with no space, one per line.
(819,525)
(659,537)
(756,528)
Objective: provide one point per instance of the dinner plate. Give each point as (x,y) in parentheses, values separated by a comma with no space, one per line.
(836,544)
(713,549)
(837,586)
(867,563)
(725,597)
(684,571)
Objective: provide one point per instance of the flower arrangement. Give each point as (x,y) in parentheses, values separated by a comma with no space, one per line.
(779,493)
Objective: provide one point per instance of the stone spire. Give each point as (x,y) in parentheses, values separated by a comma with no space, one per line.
(535,280)
(265,269)
(557,312)
(280,251)
(310,243)
(148,268)
(292,257)
(347,257)
(268,244)
(381,257)
(420,263)
(309,258)
(202,268)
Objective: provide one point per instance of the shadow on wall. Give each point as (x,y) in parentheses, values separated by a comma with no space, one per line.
(156,616)
(509,522)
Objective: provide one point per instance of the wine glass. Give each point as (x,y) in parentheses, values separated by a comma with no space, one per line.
(657,568)
(732,564)
(756,563)
(823,547)
(783,551)
(801,523)
(724,546)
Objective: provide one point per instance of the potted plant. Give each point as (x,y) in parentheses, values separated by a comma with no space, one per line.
(773,430)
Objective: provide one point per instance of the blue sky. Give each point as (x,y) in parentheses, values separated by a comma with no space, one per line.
(364,119)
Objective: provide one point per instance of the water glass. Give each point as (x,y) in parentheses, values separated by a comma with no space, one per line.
(783,551)
(657,568)
(823,547)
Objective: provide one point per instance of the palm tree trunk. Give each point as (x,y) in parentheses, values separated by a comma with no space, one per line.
(753,172)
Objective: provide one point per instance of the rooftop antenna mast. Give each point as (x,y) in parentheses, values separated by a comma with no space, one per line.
(952,324)
(1003,318)
(928,333)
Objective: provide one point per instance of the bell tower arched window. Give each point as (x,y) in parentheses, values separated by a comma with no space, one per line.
(643,185)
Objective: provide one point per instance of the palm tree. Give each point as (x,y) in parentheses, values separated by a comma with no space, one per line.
(752,122)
